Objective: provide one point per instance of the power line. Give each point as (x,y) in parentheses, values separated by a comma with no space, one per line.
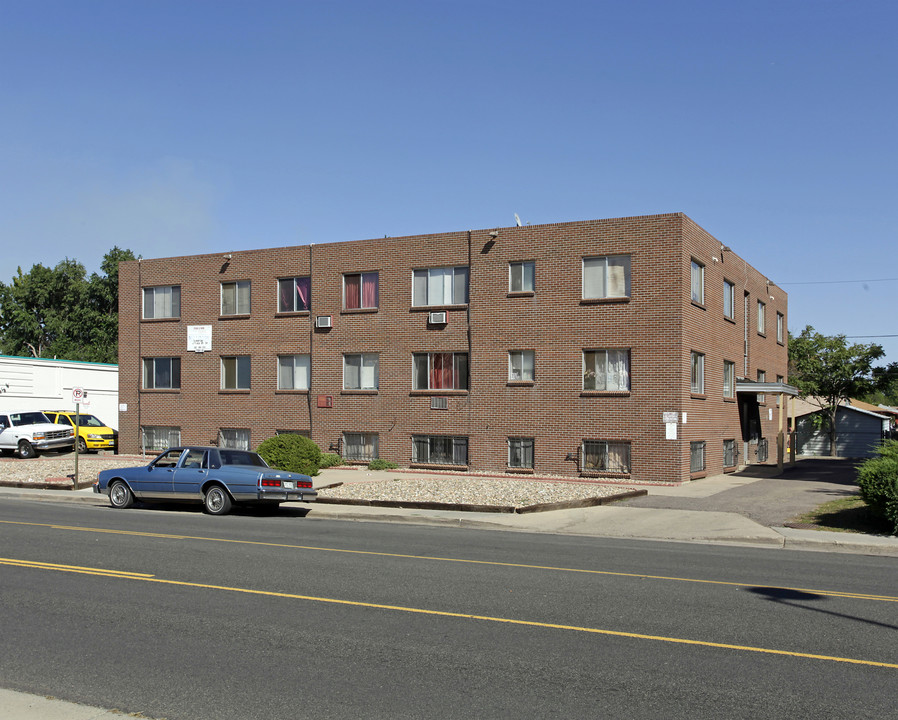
(837,282)
(870,336)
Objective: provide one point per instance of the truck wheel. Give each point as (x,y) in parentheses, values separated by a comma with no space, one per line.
(217,501)
(120,495)
(26,450)
(80,446)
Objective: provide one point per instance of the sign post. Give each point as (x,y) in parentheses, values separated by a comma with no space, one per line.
(79,396)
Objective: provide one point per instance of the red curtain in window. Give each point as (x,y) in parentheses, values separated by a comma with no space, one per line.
(352,284)
(369,290)
(441,371)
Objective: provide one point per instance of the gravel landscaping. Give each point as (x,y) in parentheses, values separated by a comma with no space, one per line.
(14,471)
(470,491)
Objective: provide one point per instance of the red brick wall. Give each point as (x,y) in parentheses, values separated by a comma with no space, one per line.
(658,323)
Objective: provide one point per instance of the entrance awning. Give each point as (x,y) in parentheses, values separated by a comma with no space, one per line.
(764,388)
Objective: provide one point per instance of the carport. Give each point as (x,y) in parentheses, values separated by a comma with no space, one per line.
(747,392)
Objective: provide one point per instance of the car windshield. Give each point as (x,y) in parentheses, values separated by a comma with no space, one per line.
(241,457)
(89,421)
(28,418)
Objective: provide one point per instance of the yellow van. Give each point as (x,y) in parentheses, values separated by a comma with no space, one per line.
(93,435)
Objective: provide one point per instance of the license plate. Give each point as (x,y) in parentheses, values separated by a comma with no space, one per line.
(288,484)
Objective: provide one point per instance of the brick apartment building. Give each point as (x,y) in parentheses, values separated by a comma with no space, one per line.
(633,348)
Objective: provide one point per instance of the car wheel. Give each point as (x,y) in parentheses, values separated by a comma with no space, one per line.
(26,450)
(81,446)
(217,501)
(120,495)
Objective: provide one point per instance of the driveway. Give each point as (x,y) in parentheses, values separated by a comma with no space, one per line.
(770,501)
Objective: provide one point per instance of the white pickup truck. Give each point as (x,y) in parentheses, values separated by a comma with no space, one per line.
(30,432)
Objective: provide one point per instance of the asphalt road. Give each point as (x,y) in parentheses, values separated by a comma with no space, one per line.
(179,615)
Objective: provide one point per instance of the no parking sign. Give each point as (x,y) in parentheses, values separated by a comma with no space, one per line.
(79,396)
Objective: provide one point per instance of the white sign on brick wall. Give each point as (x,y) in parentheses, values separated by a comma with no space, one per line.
(199,338)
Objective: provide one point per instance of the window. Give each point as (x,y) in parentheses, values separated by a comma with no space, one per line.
(606,370)
(360,446)
(234,439)
(293,372)
(162,302)
(762,308)
(235,372)
(698,373)
(780,329)
(440,286)
(729,453)
(158,438)
(520,453)
(440,371)
(729,379)
(762,377)
(235,298)
(697,456)
(360,291)
(162,373)
(698,282)
(520,276)
(361,371)
(294,294)
(520,365)
(729,300)
(606,277)
(439,450)
(601,456)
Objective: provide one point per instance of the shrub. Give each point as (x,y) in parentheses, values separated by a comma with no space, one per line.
(877,479)
(330,460)
(380,464)
(293,453)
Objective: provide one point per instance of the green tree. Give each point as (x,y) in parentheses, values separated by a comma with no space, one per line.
(59,312)
(827,371)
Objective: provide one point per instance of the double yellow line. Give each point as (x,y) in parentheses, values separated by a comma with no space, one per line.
(101,572)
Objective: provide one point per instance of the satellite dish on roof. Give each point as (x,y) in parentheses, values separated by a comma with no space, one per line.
(517,220)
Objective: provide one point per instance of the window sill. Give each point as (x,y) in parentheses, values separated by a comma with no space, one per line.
(291,391)
(432,308)
(519,383)
(781,343)
(605,393)
(519,471)
(432,466)
(520,293)
(699,305)
(599,474)
(358,391)
(698,396)
(729,319)
(161,391)
(292,313)
(238,316)
(161,320)
(698,475)
(234,391)
(604,301)
(729,399)
(358,311)
(437,391)
(762,334)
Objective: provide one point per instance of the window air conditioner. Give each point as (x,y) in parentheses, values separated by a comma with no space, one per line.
(437,318)
(323,321)
(439,403)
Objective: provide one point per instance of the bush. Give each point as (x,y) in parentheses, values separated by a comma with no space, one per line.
(330,460)
(379,464)
(293,453)
(877,479)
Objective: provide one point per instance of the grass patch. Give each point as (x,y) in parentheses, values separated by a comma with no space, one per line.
(845,515)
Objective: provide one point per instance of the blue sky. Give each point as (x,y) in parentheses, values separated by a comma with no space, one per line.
(185,127)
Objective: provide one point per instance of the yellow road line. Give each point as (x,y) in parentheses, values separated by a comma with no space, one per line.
(442,613)
(493,563)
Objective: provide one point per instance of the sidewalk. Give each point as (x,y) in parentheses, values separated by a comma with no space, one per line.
(611,521)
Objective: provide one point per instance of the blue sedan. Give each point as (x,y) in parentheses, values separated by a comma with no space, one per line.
(216,477)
